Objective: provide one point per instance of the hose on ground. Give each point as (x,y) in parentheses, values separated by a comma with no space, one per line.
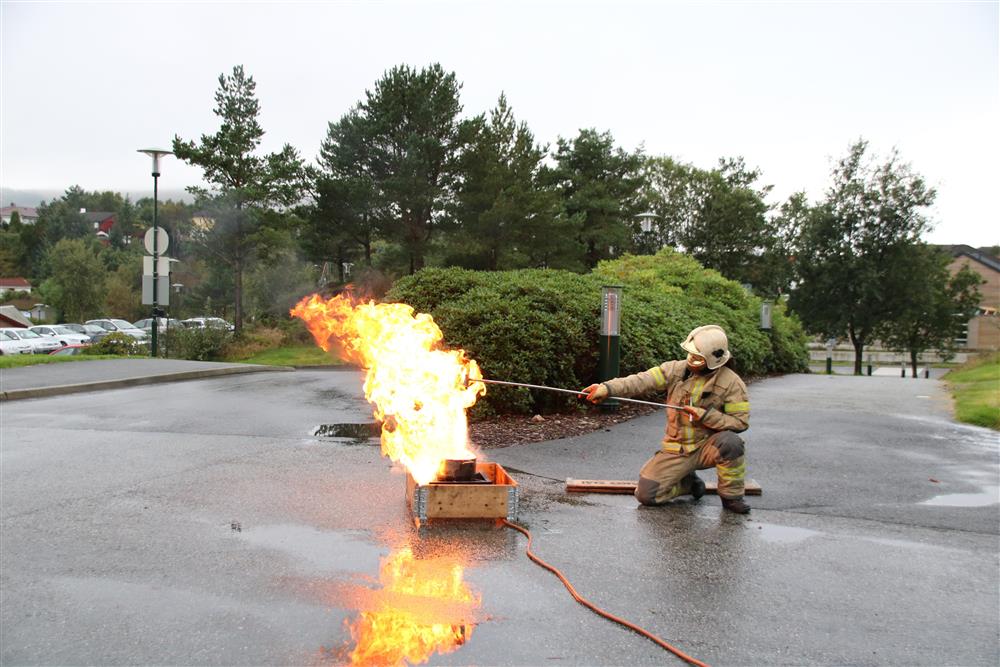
(597,610)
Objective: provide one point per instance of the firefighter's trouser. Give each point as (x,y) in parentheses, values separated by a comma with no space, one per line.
(666,474)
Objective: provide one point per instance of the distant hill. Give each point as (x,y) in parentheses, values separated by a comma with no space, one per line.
(35,197)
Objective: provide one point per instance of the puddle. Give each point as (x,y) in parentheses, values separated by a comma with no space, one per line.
(988,496)
(323,550)
(358,434)
(771,532)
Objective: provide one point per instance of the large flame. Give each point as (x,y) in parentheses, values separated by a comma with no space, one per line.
(419,390)
(424,607)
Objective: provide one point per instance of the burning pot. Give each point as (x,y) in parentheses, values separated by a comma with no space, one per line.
(457,470)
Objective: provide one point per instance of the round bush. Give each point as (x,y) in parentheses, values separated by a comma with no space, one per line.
(542,326)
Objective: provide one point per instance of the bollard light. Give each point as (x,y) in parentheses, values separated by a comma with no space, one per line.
(765,315)
(609,360)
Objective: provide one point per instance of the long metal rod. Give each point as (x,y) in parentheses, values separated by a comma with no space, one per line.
(577,393)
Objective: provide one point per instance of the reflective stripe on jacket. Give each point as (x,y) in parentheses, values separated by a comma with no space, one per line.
(720,392)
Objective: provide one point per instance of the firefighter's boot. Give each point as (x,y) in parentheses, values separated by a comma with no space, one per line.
(736,505)
(697,486)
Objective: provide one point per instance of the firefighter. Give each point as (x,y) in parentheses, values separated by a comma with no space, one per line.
(703,434)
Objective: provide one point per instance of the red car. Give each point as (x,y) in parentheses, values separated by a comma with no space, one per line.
(68,350)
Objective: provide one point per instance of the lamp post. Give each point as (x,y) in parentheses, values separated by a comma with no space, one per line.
(156,154)
(646,222)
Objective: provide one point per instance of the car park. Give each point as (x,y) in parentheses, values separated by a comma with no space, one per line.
(163,324)
(11,344)
(113,325)
(207,322)
(95,332)
(39,344)
(64,335)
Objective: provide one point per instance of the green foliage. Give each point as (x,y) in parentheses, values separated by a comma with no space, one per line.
(206,344)
(929,305)
(502,215)
(720,218)
(599,185)
(974,386)
(542,326)
(76,284)
(246,184)
(117,343)
(848,250)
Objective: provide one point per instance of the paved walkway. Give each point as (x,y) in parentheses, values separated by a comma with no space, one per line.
(73,377)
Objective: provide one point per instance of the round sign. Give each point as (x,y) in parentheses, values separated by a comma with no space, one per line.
(162,240)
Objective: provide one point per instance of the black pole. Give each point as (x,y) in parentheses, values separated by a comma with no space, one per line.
(156,305)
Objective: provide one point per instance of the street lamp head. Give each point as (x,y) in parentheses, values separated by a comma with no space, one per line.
(646,221)
(155,153)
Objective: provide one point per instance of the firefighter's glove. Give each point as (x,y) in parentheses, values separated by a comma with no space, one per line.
(596,393)
(693,413)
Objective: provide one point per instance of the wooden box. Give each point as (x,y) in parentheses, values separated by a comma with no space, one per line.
(496,499)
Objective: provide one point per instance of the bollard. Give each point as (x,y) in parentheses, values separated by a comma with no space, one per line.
(610,347)
(927,373)
(829,365)
(869,369)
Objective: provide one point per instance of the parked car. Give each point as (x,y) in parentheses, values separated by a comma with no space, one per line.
(207,322)
(162,324)
(70,350)
(112,326)
(64,335)
(95,332)
(11,344)
(39,344)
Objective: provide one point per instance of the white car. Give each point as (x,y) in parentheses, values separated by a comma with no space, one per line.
(39,344)
(122,326)
(11,344)
(64,335)
(207,323)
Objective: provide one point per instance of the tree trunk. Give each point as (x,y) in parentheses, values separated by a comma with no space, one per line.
(913,362)
(859,348)
(238,318)
(238,268)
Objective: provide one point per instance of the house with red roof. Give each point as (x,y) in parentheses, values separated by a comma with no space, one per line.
(17,284)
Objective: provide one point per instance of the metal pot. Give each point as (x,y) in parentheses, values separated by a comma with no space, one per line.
(457,470)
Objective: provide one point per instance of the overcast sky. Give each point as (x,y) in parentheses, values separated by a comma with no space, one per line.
(788,85)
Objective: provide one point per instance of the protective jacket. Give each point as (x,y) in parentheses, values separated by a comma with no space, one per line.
(720,392)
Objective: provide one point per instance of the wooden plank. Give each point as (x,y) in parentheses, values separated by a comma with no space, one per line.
(627,487)
(466,501)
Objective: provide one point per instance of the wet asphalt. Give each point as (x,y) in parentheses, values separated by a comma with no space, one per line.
(203,522)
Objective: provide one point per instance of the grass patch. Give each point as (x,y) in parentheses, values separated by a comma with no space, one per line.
(19,360)
(299,355)
(976,388)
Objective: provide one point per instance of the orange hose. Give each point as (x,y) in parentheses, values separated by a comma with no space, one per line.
(597,610)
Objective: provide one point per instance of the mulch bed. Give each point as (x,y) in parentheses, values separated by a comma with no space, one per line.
(509,430)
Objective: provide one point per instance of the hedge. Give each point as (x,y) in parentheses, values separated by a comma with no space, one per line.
(541,326)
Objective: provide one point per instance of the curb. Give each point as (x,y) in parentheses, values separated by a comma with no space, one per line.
(60,390)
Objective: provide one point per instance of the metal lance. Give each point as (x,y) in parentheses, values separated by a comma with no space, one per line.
(576,393)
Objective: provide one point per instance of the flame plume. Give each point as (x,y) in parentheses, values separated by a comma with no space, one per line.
(420,391)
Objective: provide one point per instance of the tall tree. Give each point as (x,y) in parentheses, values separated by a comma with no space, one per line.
(350,211)
(503,215)
(75,286)
(409,128)
(720,217)
(247,183)
(848,247)
(930,305)
(599,186)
